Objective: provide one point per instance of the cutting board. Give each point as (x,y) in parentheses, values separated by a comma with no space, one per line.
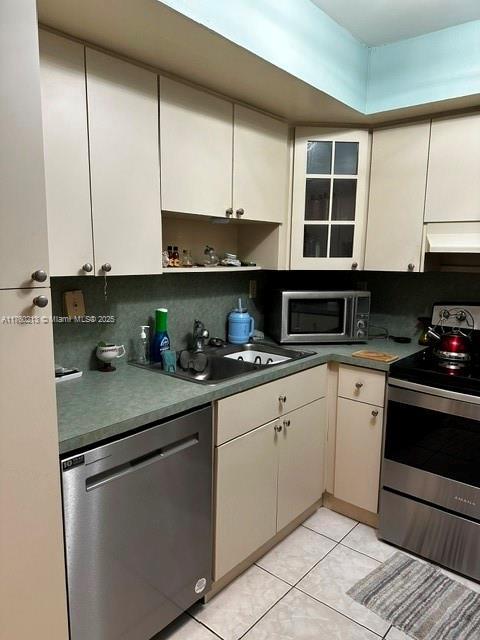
(379,356)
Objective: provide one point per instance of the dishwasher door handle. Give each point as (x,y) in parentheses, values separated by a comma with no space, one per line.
(102,478)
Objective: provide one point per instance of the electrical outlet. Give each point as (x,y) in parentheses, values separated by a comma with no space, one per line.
(252,289)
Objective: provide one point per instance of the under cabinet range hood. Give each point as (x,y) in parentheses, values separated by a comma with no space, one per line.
(452,246)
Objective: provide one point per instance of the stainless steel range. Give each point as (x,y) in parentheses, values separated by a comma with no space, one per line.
(430,496)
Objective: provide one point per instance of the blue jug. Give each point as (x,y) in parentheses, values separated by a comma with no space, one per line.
(240,325)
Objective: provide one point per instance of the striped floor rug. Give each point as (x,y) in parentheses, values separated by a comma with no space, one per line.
(420,600)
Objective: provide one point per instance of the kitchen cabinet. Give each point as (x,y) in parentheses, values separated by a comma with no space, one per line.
(67,171)
(260,166)
(124,166)
(267,475)
(398,178)
(196,150)
(330,187)
(453,187)
(358,439)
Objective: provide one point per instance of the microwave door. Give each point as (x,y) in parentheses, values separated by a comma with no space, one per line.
(313,318)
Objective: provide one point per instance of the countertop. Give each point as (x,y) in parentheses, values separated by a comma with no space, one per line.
(103,405)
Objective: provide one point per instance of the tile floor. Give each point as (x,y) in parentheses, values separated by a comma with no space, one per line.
(297,591)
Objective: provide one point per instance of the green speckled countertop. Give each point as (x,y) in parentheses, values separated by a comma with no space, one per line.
(100,405)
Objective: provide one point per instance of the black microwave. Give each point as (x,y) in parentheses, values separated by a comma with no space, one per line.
(318,316)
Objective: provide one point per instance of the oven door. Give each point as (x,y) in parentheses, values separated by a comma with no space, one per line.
(313,317)
(432,446)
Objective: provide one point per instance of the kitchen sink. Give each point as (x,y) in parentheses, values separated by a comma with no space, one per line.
(232,361)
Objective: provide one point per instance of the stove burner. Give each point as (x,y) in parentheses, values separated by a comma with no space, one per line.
(452,366)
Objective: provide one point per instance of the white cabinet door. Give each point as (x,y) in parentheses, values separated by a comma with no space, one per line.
(301,466)
(453,185)
(23,220)
(196,130)
(124,163)
(358,453)
(398,179)
(330,187)
(64,110)
(32,574)
(246,496)
(260,166)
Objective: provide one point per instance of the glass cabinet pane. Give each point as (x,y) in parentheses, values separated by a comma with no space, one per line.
(315,240)
(343,201)
(317,198)
(319,157)
(341,241)
(346,158)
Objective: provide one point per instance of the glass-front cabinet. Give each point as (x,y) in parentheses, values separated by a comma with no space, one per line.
(330,188)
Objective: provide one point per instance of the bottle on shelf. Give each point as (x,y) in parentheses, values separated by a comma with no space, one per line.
(161,339)
(176,257)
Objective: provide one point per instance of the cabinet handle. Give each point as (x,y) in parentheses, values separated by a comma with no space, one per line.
(354,265)
(411,267)
(278,428)
(359,385)
(375,413)
(240,212)
(39,276)
(282,399)
(106,267)
(229,211)
(286,423)
(87,267)
(40,301)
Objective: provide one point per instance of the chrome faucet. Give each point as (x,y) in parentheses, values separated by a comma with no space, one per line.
(200,334)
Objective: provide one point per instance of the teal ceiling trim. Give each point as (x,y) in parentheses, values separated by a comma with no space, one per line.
(299,38)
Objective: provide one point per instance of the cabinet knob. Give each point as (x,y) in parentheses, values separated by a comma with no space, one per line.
(375,413)
(278,428)
(39,276)
(40,301)
(359,385)
(106,267)
(229,211)
(282,399)
(87,267)
(286,423)
(354,265)
(411,267)
(240,212)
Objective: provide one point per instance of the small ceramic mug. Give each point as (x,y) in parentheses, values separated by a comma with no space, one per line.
(108,353)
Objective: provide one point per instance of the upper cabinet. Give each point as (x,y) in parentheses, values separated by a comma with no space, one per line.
(397,198)
(124,165)
(196,150)
(329,198)
(64,110)
(453,185)
(260,166)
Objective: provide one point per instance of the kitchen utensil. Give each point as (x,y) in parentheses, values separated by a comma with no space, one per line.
(379,356)
(241,325)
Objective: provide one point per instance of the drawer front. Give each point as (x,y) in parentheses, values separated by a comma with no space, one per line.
(365,385)
(244,411)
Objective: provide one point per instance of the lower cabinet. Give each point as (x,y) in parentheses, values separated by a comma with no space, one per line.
(358,453)
(265,479)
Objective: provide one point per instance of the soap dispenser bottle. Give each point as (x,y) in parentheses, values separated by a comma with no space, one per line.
(143,345)
(161,340)
(240,325)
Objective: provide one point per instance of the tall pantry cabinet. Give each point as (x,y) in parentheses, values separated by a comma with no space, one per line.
(32,577)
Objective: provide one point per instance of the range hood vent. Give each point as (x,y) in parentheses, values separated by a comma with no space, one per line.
(453,237)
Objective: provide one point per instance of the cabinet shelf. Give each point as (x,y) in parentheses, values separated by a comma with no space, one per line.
(209,269)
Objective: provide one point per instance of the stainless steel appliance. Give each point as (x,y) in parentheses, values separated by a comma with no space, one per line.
(318,316)
(138,530)
(430,496)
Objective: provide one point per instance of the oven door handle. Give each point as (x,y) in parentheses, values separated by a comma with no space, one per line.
(433,399)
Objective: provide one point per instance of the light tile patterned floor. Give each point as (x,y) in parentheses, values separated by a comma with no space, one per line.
(297,591)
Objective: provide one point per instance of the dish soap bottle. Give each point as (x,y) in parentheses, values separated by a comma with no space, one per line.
(161,340)
(143,345)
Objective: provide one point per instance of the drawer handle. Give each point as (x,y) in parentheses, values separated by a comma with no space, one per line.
(375,413)
(286,423)
(359,385)
(278,428)
(282,399)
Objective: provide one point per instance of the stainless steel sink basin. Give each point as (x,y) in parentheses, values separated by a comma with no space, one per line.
(232,361)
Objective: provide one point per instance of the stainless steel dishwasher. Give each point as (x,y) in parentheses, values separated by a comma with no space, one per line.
(138,530)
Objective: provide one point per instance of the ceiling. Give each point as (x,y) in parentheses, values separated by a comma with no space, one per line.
(377,22)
